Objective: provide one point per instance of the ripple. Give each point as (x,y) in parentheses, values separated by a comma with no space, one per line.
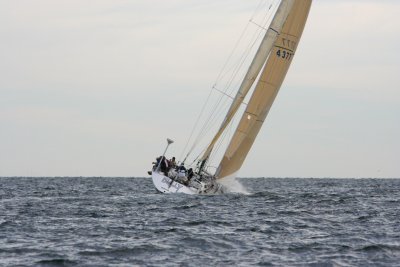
(56,262)
(124,222)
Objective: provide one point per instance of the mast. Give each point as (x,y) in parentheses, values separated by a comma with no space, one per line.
(266,90)
(255,67)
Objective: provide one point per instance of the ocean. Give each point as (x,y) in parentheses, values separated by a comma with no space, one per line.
(99,221)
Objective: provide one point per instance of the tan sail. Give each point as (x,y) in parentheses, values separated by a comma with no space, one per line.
(266,90)
(255,68)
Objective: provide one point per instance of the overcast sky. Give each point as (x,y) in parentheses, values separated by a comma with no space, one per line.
(93,88)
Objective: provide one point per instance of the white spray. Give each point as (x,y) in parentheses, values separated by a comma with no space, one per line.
(233,185)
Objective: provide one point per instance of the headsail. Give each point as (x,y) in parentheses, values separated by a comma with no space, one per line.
(254,69)
(266,89)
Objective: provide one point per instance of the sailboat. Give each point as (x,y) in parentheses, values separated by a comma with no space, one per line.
(265,75)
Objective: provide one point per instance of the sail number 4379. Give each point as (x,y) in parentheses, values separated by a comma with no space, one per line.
(284,54)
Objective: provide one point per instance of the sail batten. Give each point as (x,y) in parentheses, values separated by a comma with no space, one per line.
(267,88)
(258,62)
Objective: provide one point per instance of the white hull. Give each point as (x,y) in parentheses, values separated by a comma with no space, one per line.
(165,184)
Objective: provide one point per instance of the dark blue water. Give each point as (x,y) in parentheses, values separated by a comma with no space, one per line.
(124,222)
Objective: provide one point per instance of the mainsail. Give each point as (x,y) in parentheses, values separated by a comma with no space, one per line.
(255,67)
(267,88)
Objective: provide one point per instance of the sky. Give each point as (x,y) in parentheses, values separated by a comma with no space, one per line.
(93,88)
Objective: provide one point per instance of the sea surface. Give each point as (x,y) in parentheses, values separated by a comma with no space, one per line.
(102,221)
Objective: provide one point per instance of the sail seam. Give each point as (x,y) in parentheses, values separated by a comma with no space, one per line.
(288,34)
(266,82)
(252,113)
(281,47)
(240,131)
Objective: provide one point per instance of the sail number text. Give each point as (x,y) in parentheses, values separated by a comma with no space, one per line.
(289,43)
(284,54)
